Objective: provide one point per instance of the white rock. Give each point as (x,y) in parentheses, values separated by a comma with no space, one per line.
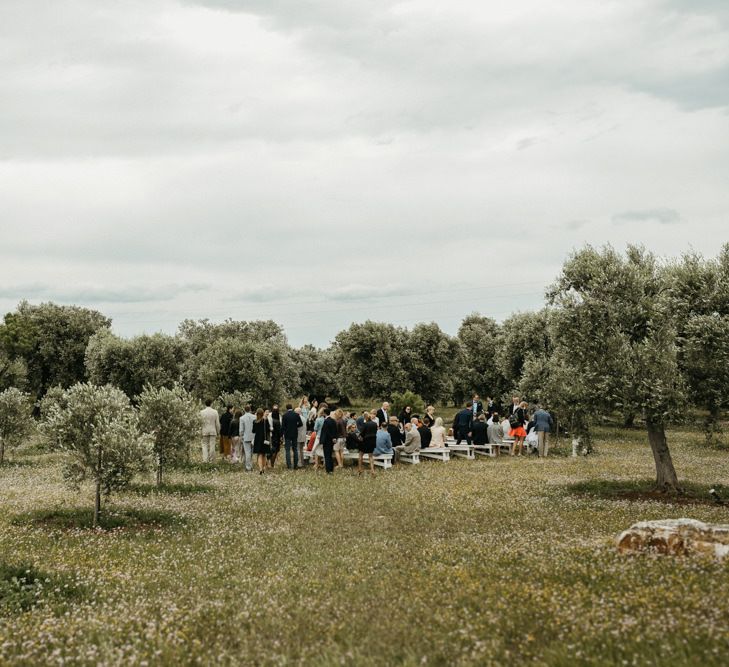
(677,537)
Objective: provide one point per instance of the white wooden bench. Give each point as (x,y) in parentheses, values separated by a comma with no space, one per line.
(412,457)
(437,453)
(463,450)
(381,460)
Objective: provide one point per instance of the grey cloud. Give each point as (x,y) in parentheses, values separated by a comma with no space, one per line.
(664,216)
(574,225)
(98,294)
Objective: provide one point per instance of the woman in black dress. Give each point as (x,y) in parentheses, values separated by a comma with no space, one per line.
(274,424)
(369,441)
(261,439)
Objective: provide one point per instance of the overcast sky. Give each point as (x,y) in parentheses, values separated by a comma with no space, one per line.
(327,161)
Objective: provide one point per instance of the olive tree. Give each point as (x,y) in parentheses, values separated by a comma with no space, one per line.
(430,361)
(317,371)
(13,372)
(616,327)
(98,430)
(16,422)
(477,368)
(130,364)
(52,341)
(371,358)
(171,417)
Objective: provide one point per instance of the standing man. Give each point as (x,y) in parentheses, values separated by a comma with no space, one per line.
(462,424)
(246,436)
(290,424)
(327,438)
(476,406)
(210,431)
(383,414)
(543,426)
(225,430)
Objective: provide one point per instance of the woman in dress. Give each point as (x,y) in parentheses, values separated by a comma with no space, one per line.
(261,435)
(235,436)
(274,422)
(516,423)
(318,449)
(406,415)
(313,414)
(369,441)
(438,433)
(430,414)
(304,405)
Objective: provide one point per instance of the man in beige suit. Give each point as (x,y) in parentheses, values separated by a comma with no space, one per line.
(210,431)
(412,440)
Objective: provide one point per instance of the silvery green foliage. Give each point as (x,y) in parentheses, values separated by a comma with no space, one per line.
(477,370)
(13,372)
(317,371)
(98,430)
(524,337)
(16,422)
(130,364)
(698,291)
(171,417)
(251,357)
(430,358)
(237,399)
(52,341)
(613,320)
(371,360)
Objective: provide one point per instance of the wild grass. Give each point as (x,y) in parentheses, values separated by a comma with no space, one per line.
(489,562)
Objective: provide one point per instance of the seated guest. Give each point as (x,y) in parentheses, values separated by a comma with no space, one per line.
(396,435)
(412,440)
(425,435)
(479,431)
(354,439)
(352,418)
(384,441)
(496,431)
(438,433)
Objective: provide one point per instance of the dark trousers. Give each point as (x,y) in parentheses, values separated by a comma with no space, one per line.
(329,457)
(289,445)
(463,435)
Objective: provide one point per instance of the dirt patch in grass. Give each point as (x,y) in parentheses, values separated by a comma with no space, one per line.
(642,490)
(113,519)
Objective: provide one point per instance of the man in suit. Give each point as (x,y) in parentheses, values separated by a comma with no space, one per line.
(210,430)
(476,406)
(412,440)
(542,425)
(245,428)
(462,424)
(394,430)
(383,414)
(327,438)
(290,423)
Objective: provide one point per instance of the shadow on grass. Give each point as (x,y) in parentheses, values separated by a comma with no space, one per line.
(110,519)
(179,489)
(644,489)
(24,587)
(217,467)
(19,463)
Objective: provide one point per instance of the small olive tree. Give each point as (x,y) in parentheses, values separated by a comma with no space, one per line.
(15,419)
(171,417)
(98,430)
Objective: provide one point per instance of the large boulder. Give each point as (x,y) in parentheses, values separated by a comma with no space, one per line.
(677,537)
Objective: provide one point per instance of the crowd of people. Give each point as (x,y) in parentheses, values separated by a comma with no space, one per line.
(327,433)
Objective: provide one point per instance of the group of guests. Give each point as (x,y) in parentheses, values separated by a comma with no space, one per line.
(327,433)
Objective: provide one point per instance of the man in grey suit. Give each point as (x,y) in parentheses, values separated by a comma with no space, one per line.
(542,425)
(412,440)
(210,431)
(245,429)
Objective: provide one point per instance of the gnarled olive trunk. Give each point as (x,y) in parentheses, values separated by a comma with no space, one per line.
(666,479)
(97,495)
(2,451)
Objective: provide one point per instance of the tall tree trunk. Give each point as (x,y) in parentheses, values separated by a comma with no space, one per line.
(159,472)
(97,497)
(2,451)
(666,479)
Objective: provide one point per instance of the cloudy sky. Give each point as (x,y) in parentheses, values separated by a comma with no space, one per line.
(327,161)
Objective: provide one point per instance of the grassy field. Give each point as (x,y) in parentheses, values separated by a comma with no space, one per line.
(488,562)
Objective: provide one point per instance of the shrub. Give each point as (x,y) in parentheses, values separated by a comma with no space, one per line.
(399,401)
(15,419)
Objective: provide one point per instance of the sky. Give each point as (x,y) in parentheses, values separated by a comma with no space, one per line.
(322,162)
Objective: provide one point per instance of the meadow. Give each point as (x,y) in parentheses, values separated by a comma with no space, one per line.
(489,562)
